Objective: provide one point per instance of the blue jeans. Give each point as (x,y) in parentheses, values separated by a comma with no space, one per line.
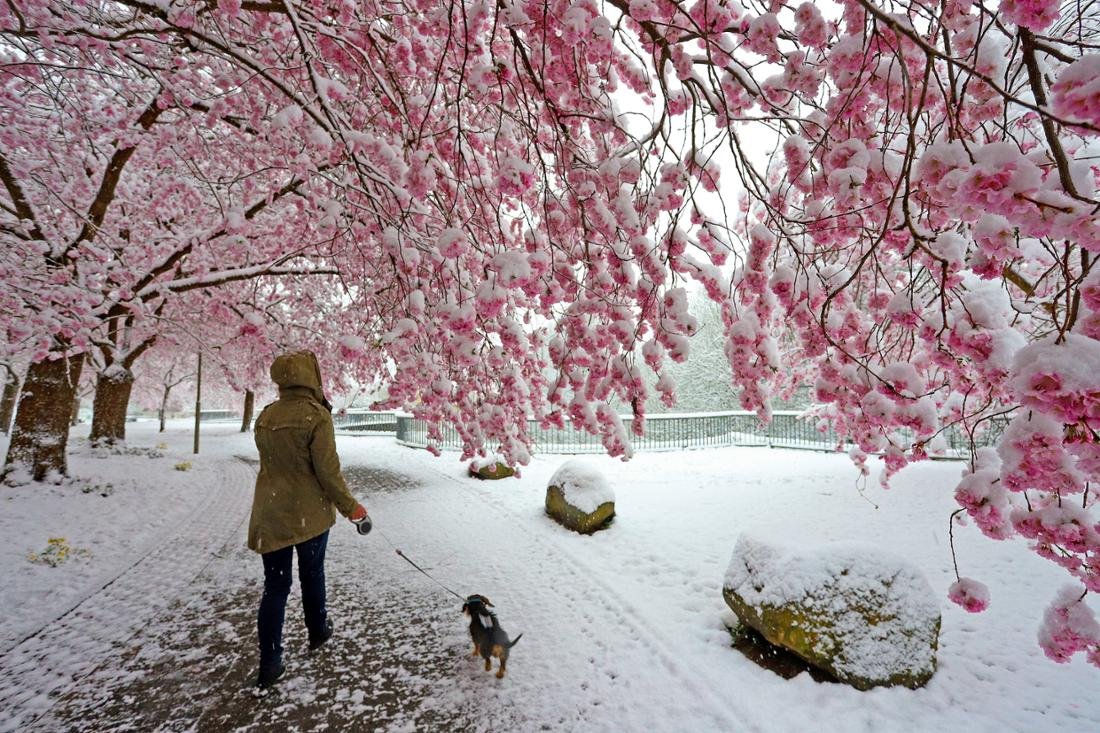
(277,582)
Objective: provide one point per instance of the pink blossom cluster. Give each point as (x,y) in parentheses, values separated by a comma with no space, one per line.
(761,36)
(1036,15)
(1069,626)
(810,26)
(1059,378)
(1090,306)
(984,496)
(970,594)
(1076,93)
(750,347)
(1065,527)
(712,243)
(1034,456)
(713,17)
(796,153)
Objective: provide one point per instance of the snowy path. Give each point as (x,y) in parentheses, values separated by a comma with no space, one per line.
(400,660)
(622,630)
(70,647)
(542,587)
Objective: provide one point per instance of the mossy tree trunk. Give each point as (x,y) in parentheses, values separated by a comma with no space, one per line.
(249,407)
(112,399)
(41,432)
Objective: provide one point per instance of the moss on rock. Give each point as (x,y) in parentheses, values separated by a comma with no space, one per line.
(492,471)
(861,620)
(573,518)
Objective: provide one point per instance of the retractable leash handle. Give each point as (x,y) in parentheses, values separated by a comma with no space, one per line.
(362,526)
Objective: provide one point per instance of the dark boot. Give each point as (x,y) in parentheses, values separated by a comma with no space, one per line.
(317,641)
(269,676)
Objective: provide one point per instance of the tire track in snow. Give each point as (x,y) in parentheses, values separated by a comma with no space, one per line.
(43,666)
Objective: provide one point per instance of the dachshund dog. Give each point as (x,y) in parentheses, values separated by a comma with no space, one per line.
(489,638)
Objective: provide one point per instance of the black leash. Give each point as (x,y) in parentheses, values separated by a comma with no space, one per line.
(405,557)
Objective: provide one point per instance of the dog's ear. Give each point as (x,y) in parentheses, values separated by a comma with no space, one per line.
(465,607)
(486,601)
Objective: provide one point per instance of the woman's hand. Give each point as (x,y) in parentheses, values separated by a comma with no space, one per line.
(359,513)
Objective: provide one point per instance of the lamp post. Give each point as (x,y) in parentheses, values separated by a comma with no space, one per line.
(198,404)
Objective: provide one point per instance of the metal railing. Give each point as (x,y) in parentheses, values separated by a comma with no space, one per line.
(674,432)
(213,415)
(365,421)
(666,432)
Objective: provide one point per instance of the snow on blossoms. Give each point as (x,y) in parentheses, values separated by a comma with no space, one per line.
(970,594)
(933,276)
(1076,93)
(984,496)
(1069,626)
(1061,379)
(1051,453)
(915,237)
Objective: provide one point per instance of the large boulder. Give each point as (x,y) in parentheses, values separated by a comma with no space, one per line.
(866,618)
(578,497)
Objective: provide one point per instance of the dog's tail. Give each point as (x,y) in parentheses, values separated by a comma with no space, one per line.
(512,643)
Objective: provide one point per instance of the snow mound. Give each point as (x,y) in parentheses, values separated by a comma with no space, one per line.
(480,462)
(866,616)
(582,486)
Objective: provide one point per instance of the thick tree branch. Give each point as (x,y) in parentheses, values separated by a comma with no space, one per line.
(19,201)
(221,277)
(97,211)
(176,257)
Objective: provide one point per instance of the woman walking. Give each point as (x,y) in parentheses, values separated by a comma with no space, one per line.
(299,489)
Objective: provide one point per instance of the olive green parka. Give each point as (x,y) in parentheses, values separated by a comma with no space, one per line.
(299,487)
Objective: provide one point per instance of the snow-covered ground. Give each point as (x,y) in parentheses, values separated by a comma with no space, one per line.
(623,631)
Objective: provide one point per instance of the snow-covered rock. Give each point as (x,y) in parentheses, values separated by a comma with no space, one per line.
(866,617)
(579,497)
(490,467)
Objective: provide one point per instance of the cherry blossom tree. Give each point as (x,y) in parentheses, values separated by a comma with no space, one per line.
(892,201)
(919,247)
(165,368)
(119,200)
(269,316)
(925,244)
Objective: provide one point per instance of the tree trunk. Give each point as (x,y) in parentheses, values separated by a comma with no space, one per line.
(249,406)
(164,406)
(112,398)
(41,431)
(74,416)
(7,402)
